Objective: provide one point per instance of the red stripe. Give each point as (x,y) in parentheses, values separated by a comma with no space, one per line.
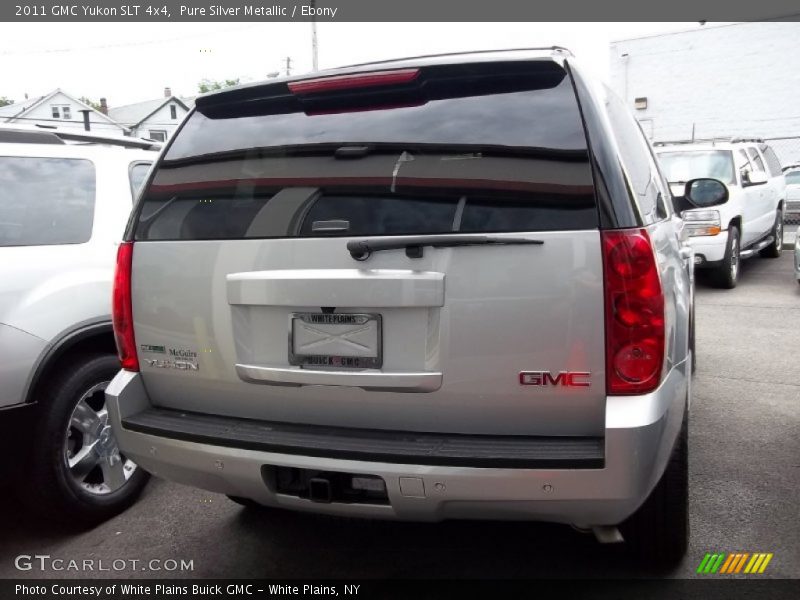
(427,182)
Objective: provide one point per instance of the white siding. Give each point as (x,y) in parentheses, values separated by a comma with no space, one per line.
(736,80)
(43,114)
(161,121)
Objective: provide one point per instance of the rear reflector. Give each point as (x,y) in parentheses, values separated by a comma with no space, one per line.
(348,82)
(634,313)
(122,310)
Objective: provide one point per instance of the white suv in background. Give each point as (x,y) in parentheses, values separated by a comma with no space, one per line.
(65,197)
(750,221)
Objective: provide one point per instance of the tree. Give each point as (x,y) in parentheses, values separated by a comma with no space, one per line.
(209,85)
(92,103)
(5,101)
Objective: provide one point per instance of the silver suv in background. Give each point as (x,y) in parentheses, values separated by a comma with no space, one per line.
(792,175)
(65,197)
(750,222)
(434,288)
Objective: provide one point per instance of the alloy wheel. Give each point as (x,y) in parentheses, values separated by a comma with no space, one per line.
(91,451)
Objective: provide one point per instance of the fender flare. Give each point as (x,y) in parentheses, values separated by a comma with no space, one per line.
(61,344)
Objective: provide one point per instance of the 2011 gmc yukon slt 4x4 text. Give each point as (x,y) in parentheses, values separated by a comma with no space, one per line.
(433,288)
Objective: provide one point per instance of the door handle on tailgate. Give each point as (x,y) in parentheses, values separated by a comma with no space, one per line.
(398,381)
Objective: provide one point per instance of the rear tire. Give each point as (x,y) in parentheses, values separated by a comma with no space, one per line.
(727,274)
(658,533)
(94,489)
(775,248)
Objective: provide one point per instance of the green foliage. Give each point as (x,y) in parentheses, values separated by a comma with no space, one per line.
(92,103)
(209,85)
(5,101)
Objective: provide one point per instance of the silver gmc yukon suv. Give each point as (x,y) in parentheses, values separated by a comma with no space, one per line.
(434,288)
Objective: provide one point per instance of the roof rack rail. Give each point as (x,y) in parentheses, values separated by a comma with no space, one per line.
(26,134)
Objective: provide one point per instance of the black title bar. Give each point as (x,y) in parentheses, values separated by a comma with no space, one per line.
(711,588)
(393,11)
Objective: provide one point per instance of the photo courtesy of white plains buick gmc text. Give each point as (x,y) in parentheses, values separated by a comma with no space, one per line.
(447,287)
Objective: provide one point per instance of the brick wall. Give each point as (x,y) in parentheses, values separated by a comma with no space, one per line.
(735,80)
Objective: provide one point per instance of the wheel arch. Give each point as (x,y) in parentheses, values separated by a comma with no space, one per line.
(85,338)
(737,220)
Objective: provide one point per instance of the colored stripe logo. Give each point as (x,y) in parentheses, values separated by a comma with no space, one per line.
(734,562)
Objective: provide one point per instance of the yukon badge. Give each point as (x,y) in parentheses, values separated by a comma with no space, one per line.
(181,365)
(562,378)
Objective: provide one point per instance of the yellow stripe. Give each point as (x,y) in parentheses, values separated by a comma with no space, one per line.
(728,561)
(752,563)
(765,563)
(741,562)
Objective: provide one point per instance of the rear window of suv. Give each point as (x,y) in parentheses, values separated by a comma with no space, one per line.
(487,147)
(46,201)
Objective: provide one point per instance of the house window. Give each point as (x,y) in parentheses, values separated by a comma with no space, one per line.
(61,111)
(173,112)
(157,134)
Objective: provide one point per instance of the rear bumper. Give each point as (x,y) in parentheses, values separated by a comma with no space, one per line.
(640,433)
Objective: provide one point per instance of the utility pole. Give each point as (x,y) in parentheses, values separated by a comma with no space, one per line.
(314,49)
(288,66)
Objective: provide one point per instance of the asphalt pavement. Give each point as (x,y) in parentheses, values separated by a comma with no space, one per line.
(745,482)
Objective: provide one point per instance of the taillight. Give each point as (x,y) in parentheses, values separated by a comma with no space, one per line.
(634,313)
(122,310)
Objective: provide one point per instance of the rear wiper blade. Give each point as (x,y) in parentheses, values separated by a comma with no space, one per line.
(363,249)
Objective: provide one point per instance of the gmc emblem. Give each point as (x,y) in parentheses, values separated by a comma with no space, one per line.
(563,378)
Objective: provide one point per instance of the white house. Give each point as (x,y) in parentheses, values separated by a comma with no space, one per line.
(155,119)
(58,108)
(735,80)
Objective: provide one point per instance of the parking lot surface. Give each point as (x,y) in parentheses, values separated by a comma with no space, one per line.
(745,477)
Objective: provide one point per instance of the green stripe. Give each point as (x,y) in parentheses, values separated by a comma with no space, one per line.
(718,564)
(710,563)
(703,563)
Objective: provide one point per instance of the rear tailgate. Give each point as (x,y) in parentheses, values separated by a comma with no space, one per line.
(247,302)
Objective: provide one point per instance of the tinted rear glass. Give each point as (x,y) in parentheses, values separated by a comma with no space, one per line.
(45,201)
(487,147)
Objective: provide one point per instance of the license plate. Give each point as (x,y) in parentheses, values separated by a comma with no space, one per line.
(335,340)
